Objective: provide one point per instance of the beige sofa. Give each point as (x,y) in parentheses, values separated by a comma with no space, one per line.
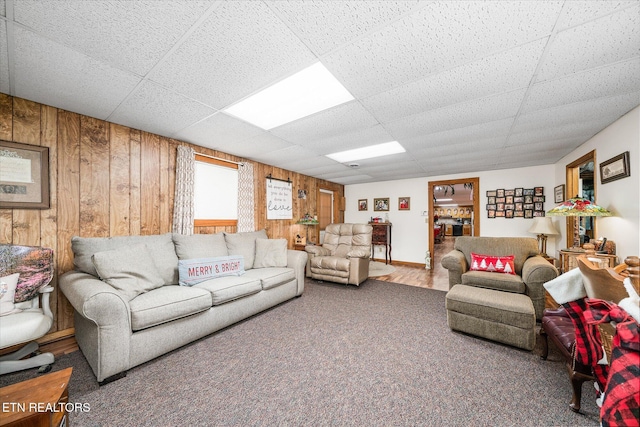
(531,270)
(145,313)
(344,255)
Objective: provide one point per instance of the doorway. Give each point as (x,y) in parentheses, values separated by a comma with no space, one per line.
(325,211)
(581,182)
(454,209)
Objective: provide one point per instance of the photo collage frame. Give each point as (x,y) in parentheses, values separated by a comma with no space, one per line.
(515,203)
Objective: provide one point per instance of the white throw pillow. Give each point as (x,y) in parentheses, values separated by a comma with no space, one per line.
(7,293)
(270,253)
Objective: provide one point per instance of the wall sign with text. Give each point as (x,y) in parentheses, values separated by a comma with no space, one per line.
(279,199)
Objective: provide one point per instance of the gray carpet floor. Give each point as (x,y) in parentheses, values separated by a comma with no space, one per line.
(380,354)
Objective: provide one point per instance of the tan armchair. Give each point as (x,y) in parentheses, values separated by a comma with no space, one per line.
(531,270)
(344,255)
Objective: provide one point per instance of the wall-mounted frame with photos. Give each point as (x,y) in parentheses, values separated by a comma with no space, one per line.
(24,176)
(381,204)
(363,204)
(404,203)
(615,168)
(515,203)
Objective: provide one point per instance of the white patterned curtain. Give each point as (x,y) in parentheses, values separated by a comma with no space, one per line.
(245,198)
(183,215)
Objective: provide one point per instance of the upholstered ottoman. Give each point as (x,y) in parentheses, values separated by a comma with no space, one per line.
(505,317)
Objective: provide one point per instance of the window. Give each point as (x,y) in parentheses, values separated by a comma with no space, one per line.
(215,193)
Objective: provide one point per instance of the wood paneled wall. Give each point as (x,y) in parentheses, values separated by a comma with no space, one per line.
(111,180)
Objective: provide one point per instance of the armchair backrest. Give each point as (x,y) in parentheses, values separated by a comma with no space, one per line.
(340,239)
(520,247)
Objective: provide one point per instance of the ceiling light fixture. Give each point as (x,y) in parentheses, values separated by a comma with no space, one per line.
(307,92)
(369,152)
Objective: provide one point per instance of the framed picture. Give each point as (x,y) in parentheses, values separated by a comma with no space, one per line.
(519,192)
(404,203)
(558,194)
(510,192)
(500,193)
(363,205)
(615,168)
(491,213)
(492,193)
(527,192)
(528,213)
(538,191)
(508,213)
(381,204)
(24,176)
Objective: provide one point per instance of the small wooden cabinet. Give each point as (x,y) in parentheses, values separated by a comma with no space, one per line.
(40,401)
(382,237)
(568,259)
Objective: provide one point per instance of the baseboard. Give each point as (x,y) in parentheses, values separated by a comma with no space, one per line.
(403,263)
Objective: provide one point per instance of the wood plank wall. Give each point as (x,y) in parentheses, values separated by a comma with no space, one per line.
(111,180)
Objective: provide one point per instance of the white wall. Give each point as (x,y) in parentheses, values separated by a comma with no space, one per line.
(620,196)
(411,233)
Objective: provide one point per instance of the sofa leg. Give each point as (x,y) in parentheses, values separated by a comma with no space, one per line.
(577,379)
(112,378)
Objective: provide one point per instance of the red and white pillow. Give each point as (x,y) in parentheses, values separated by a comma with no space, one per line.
(494,264)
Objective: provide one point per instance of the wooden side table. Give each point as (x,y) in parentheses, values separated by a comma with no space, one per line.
(37,402)
(382,237)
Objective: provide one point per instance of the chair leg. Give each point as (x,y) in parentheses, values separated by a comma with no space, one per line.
(577,379)
(13,362)
(545,345)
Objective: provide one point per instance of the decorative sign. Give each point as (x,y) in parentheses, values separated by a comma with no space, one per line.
(279,199)
(192,271)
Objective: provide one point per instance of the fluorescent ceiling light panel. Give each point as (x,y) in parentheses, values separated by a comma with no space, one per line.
(307,92)
(369,152)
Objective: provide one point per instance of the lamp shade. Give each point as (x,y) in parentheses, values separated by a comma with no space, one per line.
(543,225)
(578,206)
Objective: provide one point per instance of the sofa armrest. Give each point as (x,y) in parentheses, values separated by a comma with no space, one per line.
(106,323)
(536,271)
(456,263)
(297,260)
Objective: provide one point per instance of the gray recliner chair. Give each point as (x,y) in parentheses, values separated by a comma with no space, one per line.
(344,255)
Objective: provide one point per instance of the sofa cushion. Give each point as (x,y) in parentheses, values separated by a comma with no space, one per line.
(200,245)
(498,264)
(129,270)
(498,281)
(193,271)
(244,244)
(273,276)
(160,248)
(229,288)
(270,253)
(166,304)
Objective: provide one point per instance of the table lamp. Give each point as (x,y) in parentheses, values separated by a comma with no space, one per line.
(543,227)
(578,206)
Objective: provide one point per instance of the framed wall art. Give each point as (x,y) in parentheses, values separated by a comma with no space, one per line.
(381,204)
(363,205)
(558,194)
(515,202)
(24,176)
(615,168)
(404,203)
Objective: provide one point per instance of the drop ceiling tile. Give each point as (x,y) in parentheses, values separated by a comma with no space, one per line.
(578,12)
(502,72)
(613,38)
(218,131)
(355,179)
(155,109)
(241,48)
(253,148)
(288,155)
(106,30)
(4,59)
(325,25)
(79,83)
(348,140)
(457,116)
(604,110)
(3,11)
(616,79)
(336,168)
(329,123)
(496,130)
(438,37)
